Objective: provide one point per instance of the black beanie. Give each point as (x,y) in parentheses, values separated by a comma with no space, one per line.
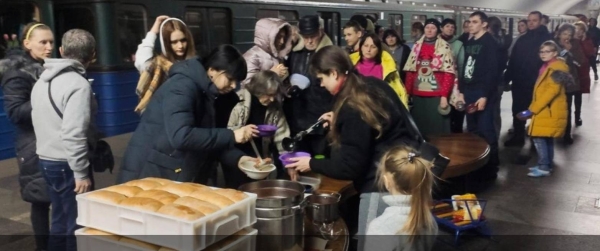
(448,21)
(361,20)
(434,22)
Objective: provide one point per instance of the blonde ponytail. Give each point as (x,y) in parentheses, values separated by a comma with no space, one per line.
(411,175)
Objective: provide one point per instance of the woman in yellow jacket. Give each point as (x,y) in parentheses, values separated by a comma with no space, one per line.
(373,61)
(548,110)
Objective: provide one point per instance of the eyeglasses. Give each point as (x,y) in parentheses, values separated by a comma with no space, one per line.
(547,52)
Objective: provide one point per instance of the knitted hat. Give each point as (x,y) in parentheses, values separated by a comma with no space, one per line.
(434,22)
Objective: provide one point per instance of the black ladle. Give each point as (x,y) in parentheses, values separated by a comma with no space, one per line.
(289,144)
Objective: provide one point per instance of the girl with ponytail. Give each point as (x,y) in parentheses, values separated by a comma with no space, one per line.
(407,223)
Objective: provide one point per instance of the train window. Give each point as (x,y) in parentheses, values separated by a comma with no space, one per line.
(210,28)
(132,23)
(13,18)
(73,17)
(395,22)
(288,15)
(440,18)
(331,21)
(418,18)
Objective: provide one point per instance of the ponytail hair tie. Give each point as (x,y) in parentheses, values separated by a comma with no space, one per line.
(162,42)
(353,70)
(411,156)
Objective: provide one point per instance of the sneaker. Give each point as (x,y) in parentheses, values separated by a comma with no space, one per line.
(538,168)
(538,173)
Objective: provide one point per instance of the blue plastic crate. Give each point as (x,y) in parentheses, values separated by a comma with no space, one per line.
(114,84)
(109,131)
(117,104)
(117,118)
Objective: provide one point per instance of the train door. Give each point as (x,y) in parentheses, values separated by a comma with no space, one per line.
(331,23)
(210,27)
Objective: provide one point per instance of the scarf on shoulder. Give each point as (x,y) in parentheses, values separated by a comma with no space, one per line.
(442,61)
(150,80)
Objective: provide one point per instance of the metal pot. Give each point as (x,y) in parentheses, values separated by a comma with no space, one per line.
(323,207)
(280,214)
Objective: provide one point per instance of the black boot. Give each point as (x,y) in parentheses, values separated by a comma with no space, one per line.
(578,122)
(516,140)
(567,139)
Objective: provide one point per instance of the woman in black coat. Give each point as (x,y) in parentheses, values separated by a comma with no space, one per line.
(19,71)
(365,123)
(177,138)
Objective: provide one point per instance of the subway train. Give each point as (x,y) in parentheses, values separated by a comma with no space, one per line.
(120,25)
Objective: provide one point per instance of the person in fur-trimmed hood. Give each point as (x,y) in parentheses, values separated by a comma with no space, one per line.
(272,44)
(19,71)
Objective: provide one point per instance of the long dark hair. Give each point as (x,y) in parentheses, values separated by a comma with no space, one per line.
(354,93)
(227,58)
(378,44)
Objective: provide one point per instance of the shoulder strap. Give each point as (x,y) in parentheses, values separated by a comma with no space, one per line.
(52,101)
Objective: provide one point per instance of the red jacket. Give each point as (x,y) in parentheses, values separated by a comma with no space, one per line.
(584,70)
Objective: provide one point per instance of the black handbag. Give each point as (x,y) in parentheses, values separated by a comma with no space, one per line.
(425,149)
(100,156)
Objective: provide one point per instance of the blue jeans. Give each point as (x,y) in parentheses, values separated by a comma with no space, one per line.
(61,186)
(545,150)
(483,124)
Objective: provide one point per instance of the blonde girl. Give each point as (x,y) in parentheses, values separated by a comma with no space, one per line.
(407,222)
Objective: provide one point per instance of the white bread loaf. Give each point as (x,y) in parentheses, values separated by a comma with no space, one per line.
(204,207)
(181,212)
(128,191)
(212,197)
(159,180)
(143,184)
(232,194)
(159,195)
(146,204)
(106,196)
(98,233)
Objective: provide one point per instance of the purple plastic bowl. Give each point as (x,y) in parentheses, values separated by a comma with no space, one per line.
(266,130)
(284,157)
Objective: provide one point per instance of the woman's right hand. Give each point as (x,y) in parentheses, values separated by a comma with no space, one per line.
(157,23)
(280,69)
(245,134)
(327,117)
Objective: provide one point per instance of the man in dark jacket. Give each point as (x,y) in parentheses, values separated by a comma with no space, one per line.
(594,33)
(523,69)
(480,88)
(303,111)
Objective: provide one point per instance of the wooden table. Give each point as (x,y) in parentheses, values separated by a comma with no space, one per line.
(467,152)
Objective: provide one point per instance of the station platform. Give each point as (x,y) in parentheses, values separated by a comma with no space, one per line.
(551,213)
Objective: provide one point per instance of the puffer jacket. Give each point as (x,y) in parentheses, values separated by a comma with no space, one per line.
(390,74)
(549,104)
(19,72)
(458,51)
(176,138)
(241,113)
(264,55)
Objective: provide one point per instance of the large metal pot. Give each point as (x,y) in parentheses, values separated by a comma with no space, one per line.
(323,207)
(280,214)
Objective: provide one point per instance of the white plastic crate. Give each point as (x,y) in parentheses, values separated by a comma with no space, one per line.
(86,242)
(165,230)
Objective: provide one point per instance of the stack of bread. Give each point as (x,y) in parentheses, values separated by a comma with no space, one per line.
(148,246)
(188,201)
(183,201)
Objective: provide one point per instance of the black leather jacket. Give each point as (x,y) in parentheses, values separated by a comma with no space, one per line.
(304,110)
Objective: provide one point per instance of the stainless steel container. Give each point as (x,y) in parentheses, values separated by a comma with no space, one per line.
(280,214)
(323,207)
